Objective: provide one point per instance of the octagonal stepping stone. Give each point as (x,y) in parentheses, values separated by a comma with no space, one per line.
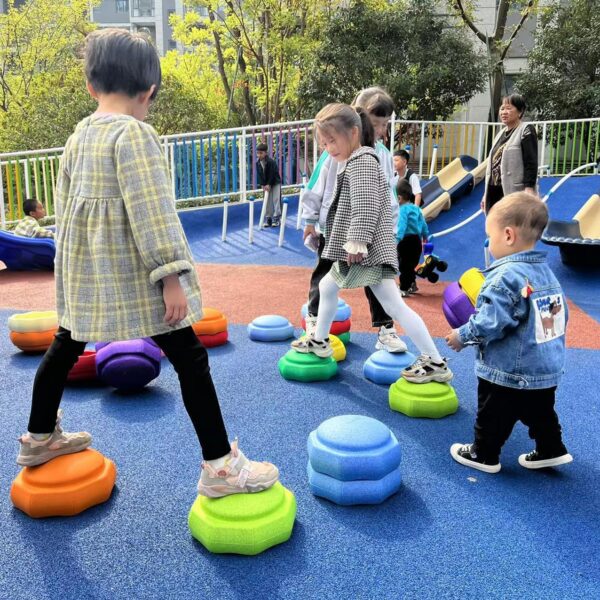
(32,341)
(306,367)
(270,328)
(456,306)
(218,339)
(337,327)
(128,365)
(343,311)
(34,321)
(64,486)
(84,369)
(244,523)
(213,321)
(385,368)
(471,282)
(432,400)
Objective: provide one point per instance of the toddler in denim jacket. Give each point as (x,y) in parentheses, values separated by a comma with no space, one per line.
(519,329)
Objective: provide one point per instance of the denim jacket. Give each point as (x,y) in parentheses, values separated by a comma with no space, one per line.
(520,330)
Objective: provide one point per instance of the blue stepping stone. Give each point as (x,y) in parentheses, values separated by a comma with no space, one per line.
(385,368)
(353,447)
(343,313)
(270,328)
(348,493)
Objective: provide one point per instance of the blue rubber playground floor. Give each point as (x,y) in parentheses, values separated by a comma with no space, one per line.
(450,532)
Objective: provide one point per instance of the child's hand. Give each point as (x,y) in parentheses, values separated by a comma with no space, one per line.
(175,300)
(453,341)
(309,230)
(355,258)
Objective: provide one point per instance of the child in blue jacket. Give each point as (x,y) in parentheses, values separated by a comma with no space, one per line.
(519,329)
(410,233)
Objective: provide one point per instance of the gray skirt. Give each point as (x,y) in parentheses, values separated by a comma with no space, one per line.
(357,276)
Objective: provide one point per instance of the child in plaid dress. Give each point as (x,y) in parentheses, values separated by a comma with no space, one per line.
(360,242)
(119,276)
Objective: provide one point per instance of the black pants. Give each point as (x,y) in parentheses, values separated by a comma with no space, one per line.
(379,317)
(493,194)
(499,408)
(187,355)
(409,253)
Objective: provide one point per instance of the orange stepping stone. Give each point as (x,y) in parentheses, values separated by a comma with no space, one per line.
(33,341)
(213,322)
(64,486)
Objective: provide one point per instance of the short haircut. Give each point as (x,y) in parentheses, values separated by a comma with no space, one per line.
(517,101)
(524,211)
(376,101)
(403,153)
(117,61)
(30,205)
(341,118)
(262,148)
(404,190)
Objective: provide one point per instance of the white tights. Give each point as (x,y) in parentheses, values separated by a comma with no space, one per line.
(388,294)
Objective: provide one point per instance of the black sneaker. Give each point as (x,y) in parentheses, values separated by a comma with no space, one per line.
(275,223)
(465,455)
(536,460)
(267,223)
(413,289)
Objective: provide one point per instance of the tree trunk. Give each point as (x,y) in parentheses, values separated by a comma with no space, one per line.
(496,83)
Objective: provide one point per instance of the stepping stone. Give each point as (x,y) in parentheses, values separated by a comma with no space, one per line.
(211,341)
(337,327)
(244,523)
(343,311)
(471,282)
(456,306)
(306,367)
(431,400)
(270,328)
(385,368)
(212,322)
(85,368)
(33,332)
(65,486)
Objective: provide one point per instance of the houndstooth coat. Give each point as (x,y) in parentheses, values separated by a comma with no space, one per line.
(361,211)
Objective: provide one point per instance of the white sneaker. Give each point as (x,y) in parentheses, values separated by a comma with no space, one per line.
(425,370)
(311,325)
(307,345)
(389,340)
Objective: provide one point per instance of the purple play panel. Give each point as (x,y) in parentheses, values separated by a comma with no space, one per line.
(128,365)
(456,306)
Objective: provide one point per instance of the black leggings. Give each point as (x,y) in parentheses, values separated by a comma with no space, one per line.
(187,355)
(409,253)
(379,317)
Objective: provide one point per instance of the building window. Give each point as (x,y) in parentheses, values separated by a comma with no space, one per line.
(143,8)
(172,45)
(122,6)
(203,11)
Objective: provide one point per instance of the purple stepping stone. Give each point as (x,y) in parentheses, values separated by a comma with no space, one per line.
(128,365)
(456,306)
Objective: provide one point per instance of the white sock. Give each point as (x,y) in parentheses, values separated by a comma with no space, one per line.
(39,437)
(388,294)
(329,291)
(218,463)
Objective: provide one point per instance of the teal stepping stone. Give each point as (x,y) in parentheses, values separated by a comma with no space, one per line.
(244,523)
(431,400)
(306,367)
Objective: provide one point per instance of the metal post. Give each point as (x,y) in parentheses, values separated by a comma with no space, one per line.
(242,166)
(543,153)
(433,161)
(299,216)
(263,210)
(225,209)
(421,149)
(392,131)
(2,209)
(282,222)
(480,144)
(251,220)
(27,182)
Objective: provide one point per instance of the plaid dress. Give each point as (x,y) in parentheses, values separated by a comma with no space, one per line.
(29,227)
(118,233)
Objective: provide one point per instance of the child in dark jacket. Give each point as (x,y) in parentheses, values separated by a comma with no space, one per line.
(270,181)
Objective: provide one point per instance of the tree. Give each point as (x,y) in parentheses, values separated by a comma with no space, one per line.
(258,48)
(42,87)
(428,69)
(563,77)
(499,42)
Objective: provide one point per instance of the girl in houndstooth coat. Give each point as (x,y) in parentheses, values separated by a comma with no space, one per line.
(360,241)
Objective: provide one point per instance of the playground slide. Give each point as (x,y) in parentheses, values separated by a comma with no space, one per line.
(579,239)
(26,254)
(455,180)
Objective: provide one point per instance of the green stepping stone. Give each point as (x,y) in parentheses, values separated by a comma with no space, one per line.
(432,400)
(244,523)
(306,367)
(344,337)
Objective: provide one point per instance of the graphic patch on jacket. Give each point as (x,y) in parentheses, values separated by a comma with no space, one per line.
(549,317)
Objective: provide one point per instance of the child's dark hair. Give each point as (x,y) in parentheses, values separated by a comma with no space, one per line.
(119,61)
(404,191)
(523,211)
(403,153)
(341,118)
(29,206)
(376,101)
(262,148)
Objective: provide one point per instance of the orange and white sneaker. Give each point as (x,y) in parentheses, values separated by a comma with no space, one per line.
(238,476)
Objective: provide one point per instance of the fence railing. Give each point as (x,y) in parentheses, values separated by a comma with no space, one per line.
(208,167)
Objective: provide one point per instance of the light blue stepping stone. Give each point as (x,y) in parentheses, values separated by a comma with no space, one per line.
(270,328)
(385,368)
